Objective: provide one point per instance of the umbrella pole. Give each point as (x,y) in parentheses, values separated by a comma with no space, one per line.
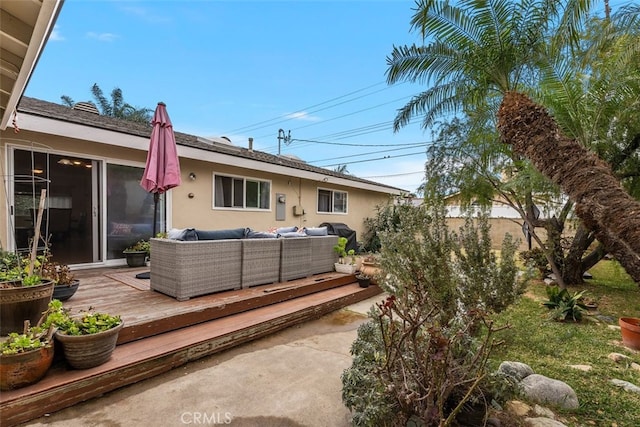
(156,198)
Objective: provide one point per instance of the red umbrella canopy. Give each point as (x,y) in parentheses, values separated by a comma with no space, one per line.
(162,171)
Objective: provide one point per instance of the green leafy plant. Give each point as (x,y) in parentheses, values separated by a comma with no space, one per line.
(89,323)
(14,268)
(423,354)
(341,249)
(34,337)
(139,246)
(563,305)
(535,258)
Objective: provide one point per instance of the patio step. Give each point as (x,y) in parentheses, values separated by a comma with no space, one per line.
(141,359)
(183,314)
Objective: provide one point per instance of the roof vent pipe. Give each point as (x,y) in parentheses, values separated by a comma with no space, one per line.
(250,144)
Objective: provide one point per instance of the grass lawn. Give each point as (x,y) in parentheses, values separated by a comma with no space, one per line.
(550,347)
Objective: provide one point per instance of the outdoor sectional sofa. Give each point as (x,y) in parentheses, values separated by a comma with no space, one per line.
(223,260)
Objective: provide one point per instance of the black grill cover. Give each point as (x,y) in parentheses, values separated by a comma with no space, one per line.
(342,230)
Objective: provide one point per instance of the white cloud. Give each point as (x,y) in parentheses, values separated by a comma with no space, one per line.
(302,115)
(103,37)
(55,34)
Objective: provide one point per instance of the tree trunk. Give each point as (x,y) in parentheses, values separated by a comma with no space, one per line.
(601,203)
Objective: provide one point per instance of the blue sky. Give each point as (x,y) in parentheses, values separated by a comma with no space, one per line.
(247,69)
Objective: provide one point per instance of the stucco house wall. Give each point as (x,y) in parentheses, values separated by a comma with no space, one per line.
(59,130)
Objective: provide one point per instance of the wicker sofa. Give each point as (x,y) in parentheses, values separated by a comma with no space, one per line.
(185,269)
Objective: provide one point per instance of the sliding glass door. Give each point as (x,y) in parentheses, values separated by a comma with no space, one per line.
(69,221)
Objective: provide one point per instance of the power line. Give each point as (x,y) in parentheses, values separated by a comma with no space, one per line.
(372,160)
(359,155)
(287,117)
(391,175)
(345,144)
(346,115)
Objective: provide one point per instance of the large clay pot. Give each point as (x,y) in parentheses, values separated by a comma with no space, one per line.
(372,270)
(19,303)
(630,329)
(22,369)
(87,351)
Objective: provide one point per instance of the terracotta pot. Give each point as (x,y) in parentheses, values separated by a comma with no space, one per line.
(64,292)
(630,329)
(20,303)
(88,351)
(372,270)
(22,369)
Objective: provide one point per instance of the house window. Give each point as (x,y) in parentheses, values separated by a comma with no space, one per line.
(331,201)
(241,193)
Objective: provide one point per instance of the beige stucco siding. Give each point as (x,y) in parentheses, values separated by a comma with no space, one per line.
(198,211)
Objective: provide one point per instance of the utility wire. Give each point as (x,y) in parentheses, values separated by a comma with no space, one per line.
(391,175)
(287,117)
(372,160)
(359,155)
(345,144)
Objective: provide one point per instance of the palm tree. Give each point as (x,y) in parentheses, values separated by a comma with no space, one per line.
(116,107)
(483,53)
(341,169)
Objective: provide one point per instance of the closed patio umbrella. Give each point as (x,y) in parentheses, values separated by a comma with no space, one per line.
(162,171)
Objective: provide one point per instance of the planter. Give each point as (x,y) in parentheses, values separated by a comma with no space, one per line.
(88,351)
(19,303)
(364,282)
(345,268)
(136,258)
(630,329)
(372,270)
(22,369)
(64,292)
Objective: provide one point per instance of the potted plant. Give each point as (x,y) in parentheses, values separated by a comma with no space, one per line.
(24,295)
(346,259)
(630,330)
(364,280)
(137,253)
(65,283)
(25,357)
(371,267)
(88,340)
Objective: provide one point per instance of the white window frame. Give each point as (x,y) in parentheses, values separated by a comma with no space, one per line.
(244,193)
(333,194)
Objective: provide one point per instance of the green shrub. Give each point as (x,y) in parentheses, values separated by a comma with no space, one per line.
(424,351)
(563,305)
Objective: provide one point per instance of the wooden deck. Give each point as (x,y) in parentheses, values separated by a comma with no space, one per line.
(161,333)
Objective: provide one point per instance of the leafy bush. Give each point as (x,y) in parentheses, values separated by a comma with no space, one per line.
(563,305)
(424,351)
(535,258)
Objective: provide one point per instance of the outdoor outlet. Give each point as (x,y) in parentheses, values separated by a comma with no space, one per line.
(298,210)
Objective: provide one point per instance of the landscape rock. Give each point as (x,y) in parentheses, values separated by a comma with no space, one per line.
(542,422)
(541,389)
(517,370)
(517,407)
(617,357)
(541,411)
(626,385)
(584,368)
(635,366)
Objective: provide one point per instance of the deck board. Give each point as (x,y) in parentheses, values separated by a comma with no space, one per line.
(162,333)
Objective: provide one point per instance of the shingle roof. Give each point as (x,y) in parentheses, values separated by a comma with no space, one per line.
(63,113)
